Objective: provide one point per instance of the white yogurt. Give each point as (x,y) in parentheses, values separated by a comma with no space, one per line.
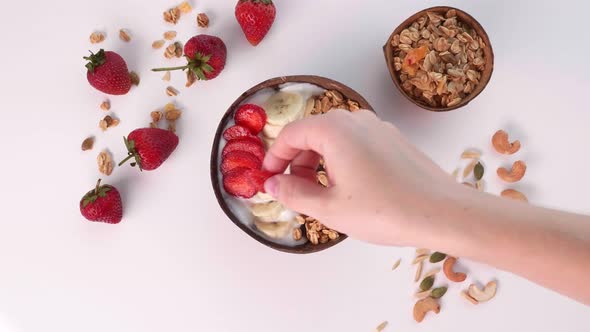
(240,207)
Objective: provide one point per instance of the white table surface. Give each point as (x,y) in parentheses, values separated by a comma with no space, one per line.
(176,263)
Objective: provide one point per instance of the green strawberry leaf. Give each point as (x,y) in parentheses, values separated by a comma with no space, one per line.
(207,68)
(200,74)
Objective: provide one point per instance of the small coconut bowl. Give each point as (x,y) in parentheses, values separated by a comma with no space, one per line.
(488,53)
(274,83)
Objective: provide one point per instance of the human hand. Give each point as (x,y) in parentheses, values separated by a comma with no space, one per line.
(382,189)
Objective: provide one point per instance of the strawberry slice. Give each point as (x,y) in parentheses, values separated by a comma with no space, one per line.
(244,182)
(237,183)
(257,178)
(237,159)
(253,145)
(235,132)
(252,117)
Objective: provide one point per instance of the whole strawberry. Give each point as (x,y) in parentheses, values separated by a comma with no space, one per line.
(107,72)
(150,147)
(255,17)
(102,204)
(206,57)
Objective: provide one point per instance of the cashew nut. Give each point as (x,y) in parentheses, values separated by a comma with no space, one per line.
(502,144)
(468,297)
(514,174)
(448,270)
(514,194)
(423,306)
(485,294)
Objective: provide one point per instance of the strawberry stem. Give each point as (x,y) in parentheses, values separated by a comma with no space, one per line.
(125,160)
(97,186)
(171,68)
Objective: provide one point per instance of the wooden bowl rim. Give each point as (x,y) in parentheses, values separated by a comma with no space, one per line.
(322,82)
(467,18)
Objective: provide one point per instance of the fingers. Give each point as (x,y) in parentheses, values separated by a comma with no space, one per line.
(312,134)
(299,194)
(306,134)
(305,165)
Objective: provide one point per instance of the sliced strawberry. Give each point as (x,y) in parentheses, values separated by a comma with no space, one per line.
(252,117)
(237,183)
(237,159)
(253,145)
(257,178)
(235,132)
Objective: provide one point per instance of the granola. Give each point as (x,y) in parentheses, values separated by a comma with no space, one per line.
(170,35)
(202,20)
(316,232)
(105,105)
(158,44)
(105,163)
(97,37)
(107,122)
(173,50)
(171,91)
(124,35)
(172,15)
(439,59)
(88,143)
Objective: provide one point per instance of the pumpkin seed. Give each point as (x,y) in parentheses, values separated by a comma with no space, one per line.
(437,257)
(478,171)
(438,292)
(427,283)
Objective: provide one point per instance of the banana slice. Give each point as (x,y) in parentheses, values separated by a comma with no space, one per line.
(261,197)
(270,211)
(271,131)
(274,230)
(283,107)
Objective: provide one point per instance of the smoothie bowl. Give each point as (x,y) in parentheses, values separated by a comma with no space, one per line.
(246,131)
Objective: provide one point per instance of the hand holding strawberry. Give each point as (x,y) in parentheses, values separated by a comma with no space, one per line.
(256,18)
(108,73)
(206,57)
(102,204)
(150,147)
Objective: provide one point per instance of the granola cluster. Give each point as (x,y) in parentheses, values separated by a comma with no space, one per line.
(439,59)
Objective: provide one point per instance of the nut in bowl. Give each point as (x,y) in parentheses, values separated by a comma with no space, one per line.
(246,131)
(440,58)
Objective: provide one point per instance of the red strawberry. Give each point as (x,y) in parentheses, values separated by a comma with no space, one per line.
(150,147)
(249,144)
(257,178)
(206,57)
(236,183)
(255,17)
(252,117)
(102,204)
(107,72)
(244,182)
(237,159)
(235,132)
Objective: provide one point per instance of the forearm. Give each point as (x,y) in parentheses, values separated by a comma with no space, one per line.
(549,247)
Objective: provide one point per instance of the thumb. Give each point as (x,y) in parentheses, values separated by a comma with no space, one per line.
(298,193)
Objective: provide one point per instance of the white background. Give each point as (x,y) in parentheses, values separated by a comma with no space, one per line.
(176,263)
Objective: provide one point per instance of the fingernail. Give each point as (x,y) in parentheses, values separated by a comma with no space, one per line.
(271,186)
